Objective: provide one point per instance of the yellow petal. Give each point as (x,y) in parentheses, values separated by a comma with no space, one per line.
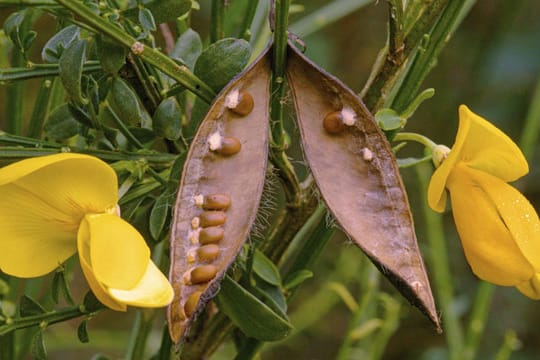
(531,288)
(97,288)
(72,183)
(518,215)
(35,237)
(154,290)
(488,149)
(481,146)
(43,202)
(115,251)
(489,246)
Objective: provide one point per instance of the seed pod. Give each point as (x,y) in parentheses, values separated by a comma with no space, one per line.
(213,184)
(367,198)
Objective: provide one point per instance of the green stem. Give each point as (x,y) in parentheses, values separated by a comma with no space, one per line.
(478,319)
(48,318)
(41,70)
(154,159)
(426,58)
(245,31)
(511,343)
(529,135)
(142,325)
(217,17)
(15,100)
(408,136)
(393,63)
(27,2)
(326,15)
(124,129)
(150,55)
(41,109)
(367,298)
(440,265)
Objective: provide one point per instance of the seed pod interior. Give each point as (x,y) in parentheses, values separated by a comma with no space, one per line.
(219,195)
(357,175)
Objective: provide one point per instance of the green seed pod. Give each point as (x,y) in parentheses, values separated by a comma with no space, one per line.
(367,198)
(215,182)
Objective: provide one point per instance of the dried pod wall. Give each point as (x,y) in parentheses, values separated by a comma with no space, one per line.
(357,175)
(219,194)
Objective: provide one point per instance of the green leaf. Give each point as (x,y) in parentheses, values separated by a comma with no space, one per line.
(251,315)
(297,278)
(124,102)
(271,296)
(266,269)
(222,61)
(71,65)
(91,303)
(158,215)
(60,286)
(146,19)
(61,124)
(167,120)
(17,26)
(188,48)
(162,10)
(388,119)
(111,55)
(29,307)
(54,48)
(82,331)
(38,346)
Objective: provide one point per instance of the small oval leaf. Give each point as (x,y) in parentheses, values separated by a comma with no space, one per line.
(29,307)
(82,331)
(38,346)
(252,316)
(71,65)
(222,61)
(111,55)
(188,48)
(124,102)
(266,269)
(167,120)
(158,215)
(61,124)
(56,45)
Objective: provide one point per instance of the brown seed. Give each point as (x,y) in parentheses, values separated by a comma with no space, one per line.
(208,252)
(333,122)
(216,202)
(244,104)
(203,273)
(211,235)
(191,304)
(212,218)
(229,146)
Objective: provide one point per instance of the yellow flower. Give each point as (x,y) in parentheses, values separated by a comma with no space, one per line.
(498,227)
(54,206)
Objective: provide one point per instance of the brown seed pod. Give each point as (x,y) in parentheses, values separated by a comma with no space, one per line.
(367,197)
(213,182)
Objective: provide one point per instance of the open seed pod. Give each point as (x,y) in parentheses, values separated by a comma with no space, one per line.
(357,175)
(219,193)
